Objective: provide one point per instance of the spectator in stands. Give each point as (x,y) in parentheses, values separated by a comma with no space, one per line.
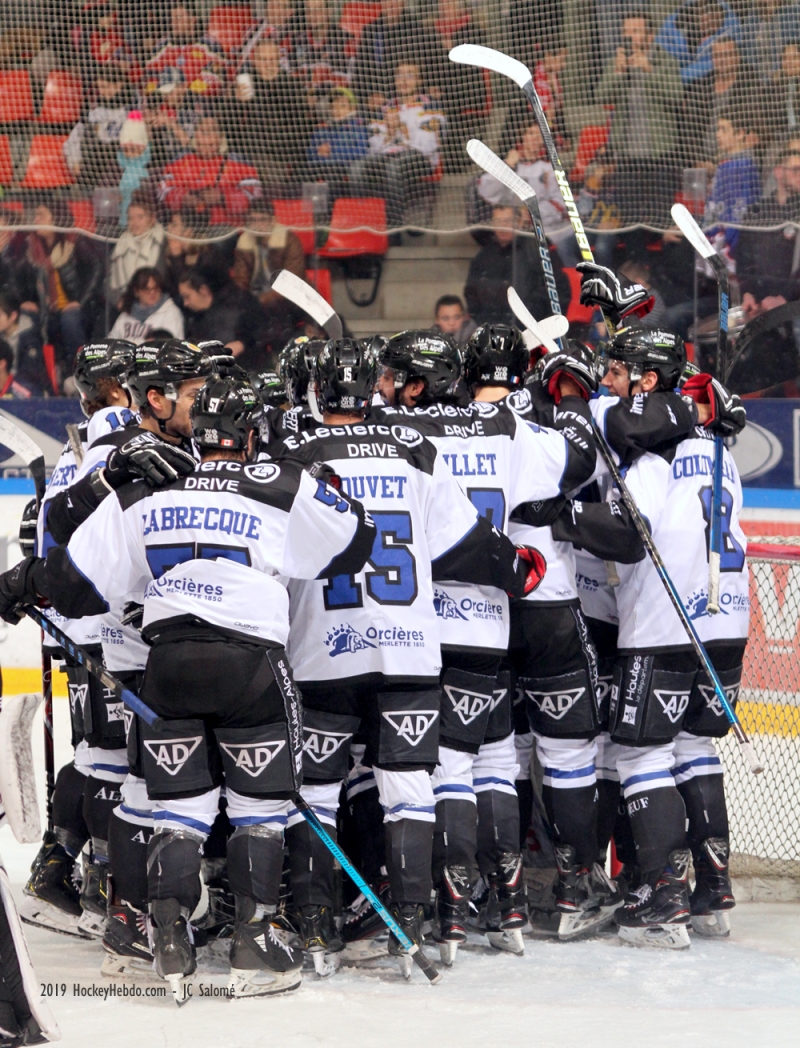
(216,308)
(768,261)
(319,53)
(736,183)
(510,261)
(196,58)
(98,37)
(267,118)
(340,141)
(182,251)
(143,244)
(452,319)
(128,171)
(786,92)
(12,385)
(217,184)
(263,250)
(279,27)
(459,89)
(548,70)
(172,116)
(94,141)
(145,308)
(69,279)
(20,330)
(690,31)
(766,29)
(17,274)
(643,84)
(384,44)
(404,147)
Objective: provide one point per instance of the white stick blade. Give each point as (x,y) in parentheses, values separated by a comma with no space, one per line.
(499,169)
(17,780)
(555,326)
(524,315)
(309,300)
(684,220)
(488,58)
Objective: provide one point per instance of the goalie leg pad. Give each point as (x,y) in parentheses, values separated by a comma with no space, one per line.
(17,781)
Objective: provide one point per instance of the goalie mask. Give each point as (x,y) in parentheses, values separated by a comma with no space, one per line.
(427,355)
(495,356)
(224,413)
(97,360)
(641,349)
(344,373)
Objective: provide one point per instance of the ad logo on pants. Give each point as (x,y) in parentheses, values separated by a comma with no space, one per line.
(171,756)
(555,704)
(467,704)
(252,757)
(411,725)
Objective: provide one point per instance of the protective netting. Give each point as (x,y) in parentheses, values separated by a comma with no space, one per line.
(764,810)
(206,105)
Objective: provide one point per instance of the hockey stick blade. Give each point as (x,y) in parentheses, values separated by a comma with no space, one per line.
(524,315)
(12,437)
(488,58)
(491,163)
(309,300)
(684,220)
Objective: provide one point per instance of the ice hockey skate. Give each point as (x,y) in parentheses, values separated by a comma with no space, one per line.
(657,913)
(262,963)
(410,917)
(126,945)
(50,898)
(452,911)
(585,896)
(321,940)
(173,947)
(504,915)
(363,931)
(94,899)
(712,896)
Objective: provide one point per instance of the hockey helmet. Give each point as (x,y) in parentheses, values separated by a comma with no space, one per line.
(642,349)
(495,356)
(271,391)
(294,366)
(345,373)
(427,355)
(164,364)
(96,360)
(224,412)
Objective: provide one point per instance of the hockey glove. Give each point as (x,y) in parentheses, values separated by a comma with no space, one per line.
(577,362)
(540,514)
(531,566)
(728,416)
(25,583)
(602,287)
(145,455)
(27,529)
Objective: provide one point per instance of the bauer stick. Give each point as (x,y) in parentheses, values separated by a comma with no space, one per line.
(700,242)
(484,57)
(294,723)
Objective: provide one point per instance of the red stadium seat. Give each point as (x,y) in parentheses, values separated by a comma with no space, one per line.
(297,215)
(63,94)
(16,101)
(577,314)
(6,166)
(591,139)
(355,15)
(321,280)
(47,168)
(229,26)
(358,227)
(83,215)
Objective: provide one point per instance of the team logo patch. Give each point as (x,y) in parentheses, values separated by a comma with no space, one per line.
(712,699)
(171,756)
(467,704)
(252,757)
(411,725)
(483,409)
(629,715)
(697,605)
(410,438)
(78,694)
(555,704)
(445,607)
(673,703)
(320,745)
(115,711)
(519,400)
(343,640)
(262,472)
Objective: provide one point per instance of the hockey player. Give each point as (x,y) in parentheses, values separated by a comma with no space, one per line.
(365,647)
(658,690)
(81,797)
(216,616)
(477,811)
(294,363)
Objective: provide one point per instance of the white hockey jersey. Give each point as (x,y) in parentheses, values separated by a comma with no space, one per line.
(218,545)
(499,461)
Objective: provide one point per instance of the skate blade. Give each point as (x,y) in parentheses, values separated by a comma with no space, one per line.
(586,922)
(406,964)
(714,925)
(543,926)
(510,940)
(447,952)
(362,950)
(40,914)
(659,936)
(259,983)
(178,985)
(138,969)
(325,964)
(92,924)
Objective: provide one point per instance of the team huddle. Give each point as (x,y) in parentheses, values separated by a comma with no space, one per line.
(423,549)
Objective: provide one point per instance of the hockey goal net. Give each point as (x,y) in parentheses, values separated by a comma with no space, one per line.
(764,810)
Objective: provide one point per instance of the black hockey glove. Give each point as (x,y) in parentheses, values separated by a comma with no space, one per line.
(25,583)
(531,568)
(728,416)
(144,455)
(27,529)
(602,287)
(577,361)
(540,514)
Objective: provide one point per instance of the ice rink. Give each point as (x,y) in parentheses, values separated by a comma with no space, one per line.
(741,992)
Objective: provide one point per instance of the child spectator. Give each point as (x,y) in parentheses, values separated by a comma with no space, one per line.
(146,308)
(339,142)
(453,320)
(736,183)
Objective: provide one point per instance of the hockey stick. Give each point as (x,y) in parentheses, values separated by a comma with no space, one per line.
(294,718)
(75,442)
(700,242)
(309,300)
(499,169)
(11,436)
(542,331)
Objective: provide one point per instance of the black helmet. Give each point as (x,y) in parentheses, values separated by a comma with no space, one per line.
(224,412)
(164,364)
(427,355)
(345,373)
(294,366)
(96,360)
(495,356)
(271,391)
(644,350)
